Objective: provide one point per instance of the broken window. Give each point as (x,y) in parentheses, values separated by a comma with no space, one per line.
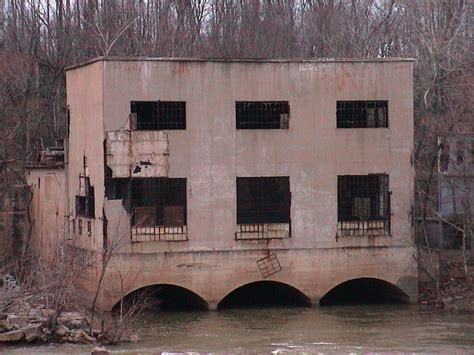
(363,204)
(362,114)
(159,202)
(262,114)
(85,199)
(159,115)
(263,200)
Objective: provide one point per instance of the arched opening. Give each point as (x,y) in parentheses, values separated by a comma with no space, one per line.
(163,297)
(264,294)
(364,291)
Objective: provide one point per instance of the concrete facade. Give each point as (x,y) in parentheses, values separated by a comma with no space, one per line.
(211,153)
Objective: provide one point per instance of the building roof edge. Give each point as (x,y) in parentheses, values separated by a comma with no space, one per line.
(248,60)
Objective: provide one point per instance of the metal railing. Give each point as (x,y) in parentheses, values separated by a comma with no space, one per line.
(263,231)
(363,228)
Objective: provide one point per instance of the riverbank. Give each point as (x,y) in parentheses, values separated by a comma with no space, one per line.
(453,290)
(31,314)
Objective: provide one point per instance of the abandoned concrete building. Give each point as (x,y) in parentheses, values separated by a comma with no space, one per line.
(234,181)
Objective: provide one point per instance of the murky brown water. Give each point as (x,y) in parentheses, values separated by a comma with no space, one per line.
(338,329)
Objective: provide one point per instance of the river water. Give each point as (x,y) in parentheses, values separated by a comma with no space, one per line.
(337,329)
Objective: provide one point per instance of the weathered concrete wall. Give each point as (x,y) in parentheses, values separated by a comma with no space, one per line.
(47,210)
(214,274)
(85,100)
(211,153)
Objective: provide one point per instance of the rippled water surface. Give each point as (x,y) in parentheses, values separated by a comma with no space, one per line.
(341,329)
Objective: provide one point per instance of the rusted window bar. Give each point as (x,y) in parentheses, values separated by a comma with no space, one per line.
(158,115)
(362,114)
(269,265)
(263,231)
(262,114)
(363,205)
(159,209)
(159,233)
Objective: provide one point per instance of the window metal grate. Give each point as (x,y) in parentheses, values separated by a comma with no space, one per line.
(263,231)
(171,115)
(269,265)
(262,114)
(159,233)
(158,115)
(173,216)
(158,202)
(363,205)
(362,114)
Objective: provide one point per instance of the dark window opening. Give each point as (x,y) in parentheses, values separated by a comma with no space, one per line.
(159,115)
(263,200)
(364,291)
(262,114)
(158,202)
(363,203)
(117,189)
(362,114)
(264,294)
(85,200)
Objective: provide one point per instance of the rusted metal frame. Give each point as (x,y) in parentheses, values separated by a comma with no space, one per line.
(259,231)
(269,265)
(157,235)
(374,189)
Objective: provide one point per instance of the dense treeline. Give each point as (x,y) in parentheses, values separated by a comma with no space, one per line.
(39,38)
